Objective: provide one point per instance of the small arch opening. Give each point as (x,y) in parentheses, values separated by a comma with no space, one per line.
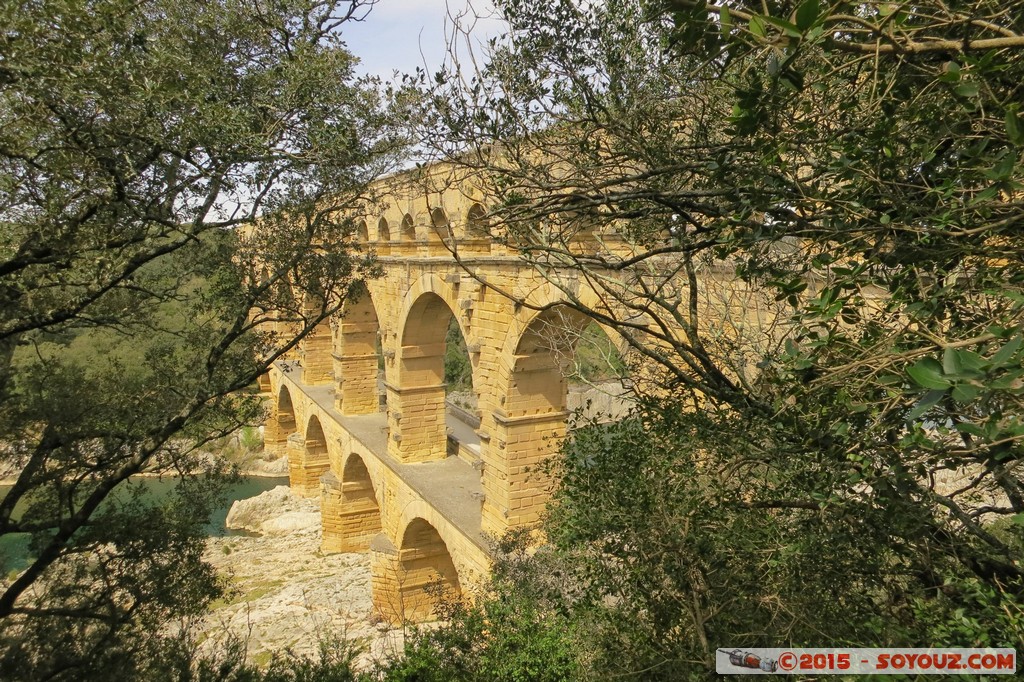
(316,442)
(279,426)
(358,487)
(408,229)
(439,224)
(476,223)
(284,415)
(305,469)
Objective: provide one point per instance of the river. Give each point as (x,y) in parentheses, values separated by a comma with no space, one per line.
(14,555)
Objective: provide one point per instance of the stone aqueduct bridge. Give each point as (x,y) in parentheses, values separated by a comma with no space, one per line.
(399,477)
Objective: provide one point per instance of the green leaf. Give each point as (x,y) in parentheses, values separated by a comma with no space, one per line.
(930,399)
(965,393)
(1003,169)
(951,73)
(971,429)
(950,361)
(1008,382)
(927,373)
(970,360)
(725,21)
(756,26)
(968,89)
(1007,351)
(807,13)
(789,29)
(1014,126)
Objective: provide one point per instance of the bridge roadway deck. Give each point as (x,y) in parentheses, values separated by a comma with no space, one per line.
(451,486)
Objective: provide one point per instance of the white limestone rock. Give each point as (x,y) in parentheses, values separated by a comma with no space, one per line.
(291,522)
(287,594)
(253,513)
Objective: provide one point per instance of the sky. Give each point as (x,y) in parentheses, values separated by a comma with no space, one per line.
(400,35)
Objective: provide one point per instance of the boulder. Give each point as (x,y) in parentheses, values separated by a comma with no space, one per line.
(253,513)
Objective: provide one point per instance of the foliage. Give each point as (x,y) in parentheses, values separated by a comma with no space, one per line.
(458,372)
(700,550)
(179,661)
(511,633)
(808,215)
(250,439)
(595,357)
(135,139)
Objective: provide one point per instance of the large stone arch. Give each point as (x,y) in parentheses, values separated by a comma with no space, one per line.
(350,507)
(537,382)
(545,305)
(315,348)
(356,355)
(283,316)
(308,458)
(416,392)
(281,424)
(450,534)
(409,580)
(433,284)
(529,420)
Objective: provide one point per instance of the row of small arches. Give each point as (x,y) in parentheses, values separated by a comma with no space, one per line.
(439,228)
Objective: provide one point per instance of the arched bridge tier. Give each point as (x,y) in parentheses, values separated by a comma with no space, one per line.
(360,408)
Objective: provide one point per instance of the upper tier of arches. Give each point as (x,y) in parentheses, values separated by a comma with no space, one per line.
(432,224)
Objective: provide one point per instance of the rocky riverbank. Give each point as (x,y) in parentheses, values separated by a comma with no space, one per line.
(285,594)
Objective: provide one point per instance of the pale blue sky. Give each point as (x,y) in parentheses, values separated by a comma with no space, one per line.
(403,34)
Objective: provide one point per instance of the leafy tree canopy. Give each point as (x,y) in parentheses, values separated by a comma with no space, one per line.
(843,465)
(135,139)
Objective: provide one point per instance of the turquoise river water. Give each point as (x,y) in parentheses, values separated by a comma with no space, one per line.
(14,554)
